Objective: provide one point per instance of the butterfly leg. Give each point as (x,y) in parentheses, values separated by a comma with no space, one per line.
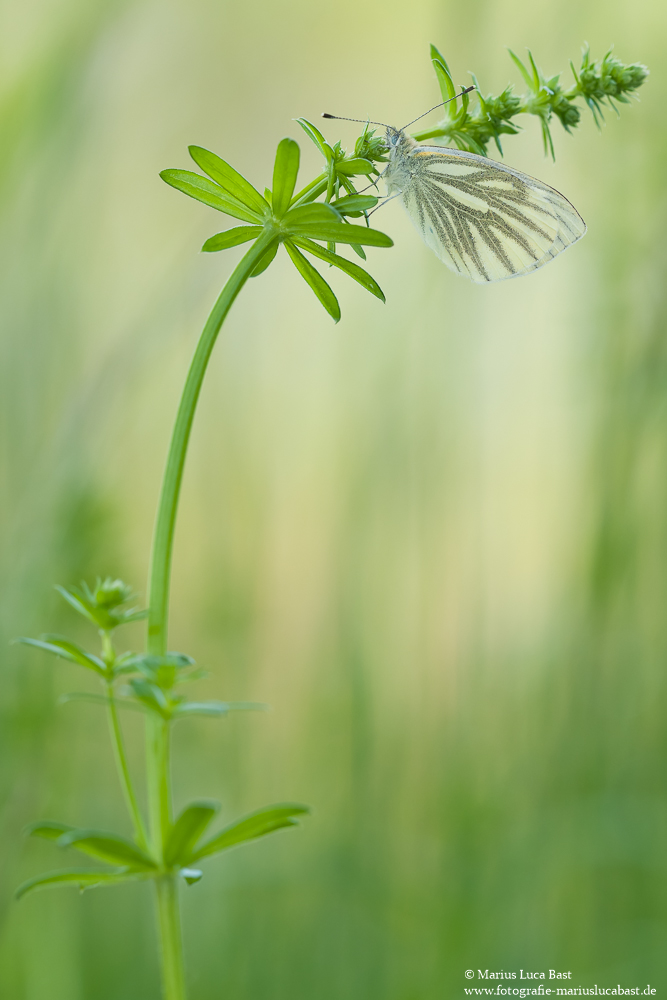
(383,203)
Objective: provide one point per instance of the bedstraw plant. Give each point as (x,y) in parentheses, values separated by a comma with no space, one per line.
(330,210)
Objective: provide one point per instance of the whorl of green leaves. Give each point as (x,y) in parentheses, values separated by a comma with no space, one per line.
(598,83)
(296,220)
(183,846)
(151,687)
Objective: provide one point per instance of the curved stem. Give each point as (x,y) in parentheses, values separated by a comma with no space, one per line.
(163,537)
(157,730)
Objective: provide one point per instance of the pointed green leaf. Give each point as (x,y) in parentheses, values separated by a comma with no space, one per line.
(216,708)
(107,847)
(354,271)
(315,280)
(100,699)
(229,179)
(95,843)
(285,171)
(77,603)
(191,875)
(445,82)
(81,877)
(151,696)
(547,140)
(436,54)
(522,69)
(192,675)
(347,184)
(67,650)
(311,214)
(358,165)
(126,663)
(187,830)
(537,83)
(257,824)
(150,662)
(265,260)
(231,238)
(342,233)
(314,133)
(133,616)
(200,188)
(355,203)
(47,829)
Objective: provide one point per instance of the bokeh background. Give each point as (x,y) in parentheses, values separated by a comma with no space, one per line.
(433,537)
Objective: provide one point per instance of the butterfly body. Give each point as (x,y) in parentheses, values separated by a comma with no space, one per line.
(483,219)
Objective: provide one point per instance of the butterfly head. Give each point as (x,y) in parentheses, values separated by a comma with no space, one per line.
(399,143)
(397,137)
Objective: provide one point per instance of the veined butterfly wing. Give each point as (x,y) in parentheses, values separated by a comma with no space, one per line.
(483,219)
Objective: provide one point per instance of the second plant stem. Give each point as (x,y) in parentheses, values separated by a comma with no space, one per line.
(124,771)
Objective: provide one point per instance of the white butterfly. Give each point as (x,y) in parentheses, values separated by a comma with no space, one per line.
(483,219)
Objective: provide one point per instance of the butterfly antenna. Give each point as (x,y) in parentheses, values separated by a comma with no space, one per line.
(363,121)
(463,91)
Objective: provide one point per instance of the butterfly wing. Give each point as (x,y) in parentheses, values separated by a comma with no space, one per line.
(483,219)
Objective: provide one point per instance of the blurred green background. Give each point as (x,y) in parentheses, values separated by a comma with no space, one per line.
(433,537)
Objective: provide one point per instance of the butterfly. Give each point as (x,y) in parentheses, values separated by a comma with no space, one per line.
(483,219)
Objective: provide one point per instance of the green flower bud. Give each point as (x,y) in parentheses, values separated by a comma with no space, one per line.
(371,147)
(111,593)
(568,113)
(103,604)
(609,78)
(539,104)
(505,106)
(634,76)
(339,152)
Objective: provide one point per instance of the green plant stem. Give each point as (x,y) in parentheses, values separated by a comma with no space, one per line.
(171,941)
(124,771)
(166,900)
(163,537)
(158,780)
(157,730)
